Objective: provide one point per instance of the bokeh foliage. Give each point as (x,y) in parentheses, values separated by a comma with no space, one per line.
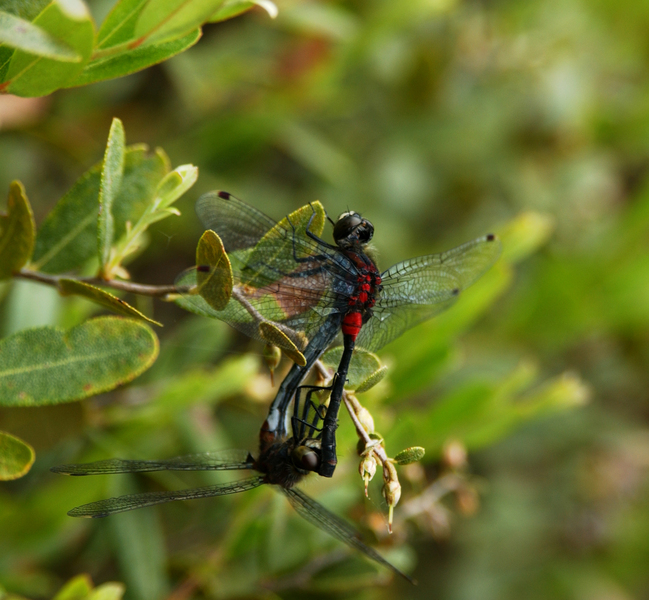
(439,121)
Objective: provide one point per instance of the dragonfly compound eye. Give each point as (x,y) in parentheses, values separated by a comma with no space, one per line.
(352,228)
(305,458)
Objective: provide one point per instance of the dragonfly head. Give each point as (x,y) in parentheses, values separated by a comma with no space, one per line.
(351,229)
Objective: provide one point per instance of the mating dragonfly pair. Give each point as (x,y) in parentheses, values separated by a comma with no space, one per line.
(286,276)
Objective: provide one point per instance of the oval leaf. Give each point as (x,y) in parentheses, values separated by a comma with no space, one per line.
(273,335)
(17,232)
(30,75)
(16,457)
(130,61)
(112,171)
(47,365)
(77,588)
(70,287)
(364,365)
(372,380)
(168,19)
(213,271)
(23,35)
(410,455)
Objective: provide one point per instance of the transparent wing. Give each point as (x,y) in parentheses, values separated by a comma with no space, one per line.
(238,224)
(422,287)
(279,273)
(223,460)
(319,516)
(104,508)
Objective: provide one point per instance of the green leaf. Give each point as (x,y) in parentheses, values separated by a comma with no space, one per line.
(47,365)
(410,455)
(68,236)
(112,172)
(17,232)
(229,9)
(372,380)
(269,332)
(23,35)
(214,272)
(233,8)
(364,365)
(77,588)
(175,184)
(130,61)
(169,19)
(108,591)
(80,588)
(119,26)
(69,287)
(16,457)
(30,75)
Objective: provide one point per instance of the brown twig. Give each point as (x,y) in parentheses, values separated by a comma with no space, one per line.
(156,291)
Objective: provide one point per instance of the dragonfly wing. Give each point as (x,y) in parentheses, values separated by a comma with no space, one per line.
(422,287)
(279,273)
(238,224)
(325,520)
(223,460)
(104,508)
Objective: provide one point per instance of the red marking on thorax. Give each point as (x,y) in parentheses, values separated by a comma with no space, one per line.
(364,297)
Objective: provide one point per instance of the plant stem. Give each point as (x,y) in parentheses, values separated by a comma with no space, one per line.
(156,291)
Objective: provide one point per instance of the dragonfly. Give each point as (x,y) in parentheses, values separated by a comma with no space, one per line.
(284,273)
(283,462)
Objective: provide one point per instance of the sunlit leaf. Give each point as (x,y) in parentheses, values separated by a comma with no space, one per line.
(77,588)
(17,232)
(28,37)
(213,271)
(372,380)
(112,171)
(175,184)
(47,365)
(119,25)
(132,60)
(229,9)
(69,287)
(410,455)
(274,336)
(233,8)
(167,19)
(16,457)
(65,20)
(108,591)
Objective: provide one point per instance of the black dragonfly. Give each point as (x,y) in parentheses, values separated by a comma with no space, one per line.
(286,274)
(282,462)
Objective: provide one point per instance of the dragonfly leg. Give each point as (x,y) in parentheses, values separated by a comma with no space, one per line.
(301,422)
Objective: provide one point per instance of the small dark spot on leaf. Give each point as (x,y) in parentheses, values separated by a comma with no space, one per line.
(456,292)
(491,237)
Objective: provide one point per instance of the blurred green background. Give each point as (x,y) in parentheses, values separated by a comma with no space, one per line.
(439,120)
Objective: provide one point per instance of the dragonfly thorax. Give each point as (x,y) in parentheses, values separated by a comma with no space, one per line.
(352,230)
